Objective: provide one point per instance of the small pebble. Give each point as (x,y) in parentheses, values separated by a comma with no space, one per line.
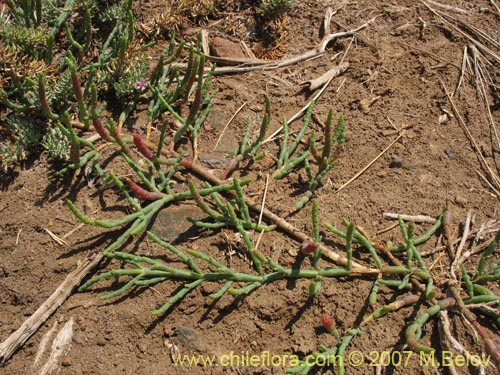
(396,162)
(461,200)
(66,362)
(225,48)
(450,153)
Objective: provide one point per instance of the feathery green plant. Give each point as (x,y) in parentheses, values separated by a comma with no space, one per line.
(273,8)
(26,138)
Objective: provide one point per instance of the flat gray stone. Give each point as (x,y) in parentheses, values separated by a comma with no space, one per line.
(172,222)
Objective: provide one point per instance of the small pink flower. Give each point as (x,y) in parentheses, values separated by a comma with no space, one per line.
(141,85)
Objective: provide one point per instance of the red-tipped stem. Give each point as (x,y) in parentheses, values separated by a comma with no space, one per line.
(101,130)
(142,193)
(229,169)
(187,163)
(328,323)
(77,88)
(308,247)
(490,344)
(142,148)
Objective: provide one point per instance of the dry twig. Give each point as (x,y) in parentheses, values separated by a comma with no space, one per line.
(448,7)
(60,345)
(458,259)
(299,113)
(476,42)
(489,343)
(495,6)
(316,83)
(414,218)
(445,333)
(480,80)
(249,65)
(493,177)
(31,325)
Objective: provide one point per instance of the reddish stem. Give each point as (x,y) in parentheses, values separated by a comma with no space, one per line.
(142,193)
(101,130)
(74,155)
(76,86)
(229,169)
(143,149)
(490,344)
(123,145)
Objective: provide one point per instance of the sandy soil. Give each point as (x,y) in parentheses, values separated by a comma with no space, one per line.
(398,67)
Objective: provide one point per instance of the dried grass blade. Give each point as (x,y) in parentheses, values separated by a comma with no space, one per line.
(368,165)
(59,240)
(494,178)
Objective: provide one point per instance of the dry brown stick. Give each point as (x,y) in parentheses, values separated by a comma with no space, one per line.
(63,291)
(227,124)
(369,44)
(485,305)
(445,332)
(261,212)
(316,83)
(390,227)
(60,346)
(414,218)
(43,345)
(479,32)
(264,199)
(204,42)
(254,65)
(300,112)
(327,19)
(447,230)
(457,257)
(495,191)
(449,7)
(446,339)
(462,71)
(490,227)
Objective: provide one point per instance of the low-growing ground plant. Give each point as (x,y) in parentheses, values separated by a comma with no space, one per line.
(57,106)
